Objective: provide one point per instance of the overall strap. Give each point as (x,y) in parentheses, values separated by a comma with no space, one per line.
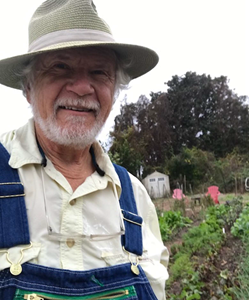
(132,240)
(14,228)
(13,216)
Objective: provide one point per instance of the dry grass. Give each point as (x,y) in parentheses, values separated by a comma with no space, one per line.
(191,207)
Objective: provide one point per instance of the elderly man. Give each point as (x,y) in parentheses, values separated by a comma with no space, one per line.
(72,224)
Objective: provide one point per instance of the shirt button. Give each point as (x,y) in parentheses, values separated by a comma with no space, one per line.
(73,202)
(70,243)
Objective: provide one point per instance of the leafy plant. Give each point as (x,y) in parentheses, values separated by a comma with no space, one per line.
(204,239)
(226,214)
(191,284)
(241,290)
(207,201)
(170,222)
(182,268)
(241,226)
(179,205)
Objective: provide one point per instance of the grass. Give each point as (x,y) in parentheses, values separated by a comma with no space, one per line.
(229,197)
(163,204)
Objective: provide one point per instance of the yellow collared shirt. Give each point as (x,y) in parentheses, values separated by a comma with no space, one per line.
(91,209)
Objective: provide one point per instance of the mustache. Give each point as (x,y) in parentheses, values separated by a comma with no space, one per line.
(80,103)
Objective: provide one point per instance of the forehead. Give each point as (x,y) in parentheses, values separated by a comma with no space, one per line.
(89,55)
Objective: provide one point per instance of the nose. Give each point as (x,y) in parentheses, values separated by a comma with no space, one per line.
(80,84)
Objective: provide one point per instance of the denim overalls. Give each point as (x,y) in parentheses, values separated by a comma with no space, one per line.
(36,282)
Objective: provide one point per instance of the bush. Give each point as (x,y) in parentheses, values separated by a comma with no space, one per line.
(241,226)
(204,239)
(207,201)
(182,268)
(170,222)
(179,205)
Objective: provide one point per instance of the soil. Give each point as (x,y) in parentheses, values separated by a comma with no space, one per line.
(219,273)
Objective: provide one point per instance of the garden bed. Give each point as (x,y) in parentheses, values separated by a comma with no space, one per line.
(211,273)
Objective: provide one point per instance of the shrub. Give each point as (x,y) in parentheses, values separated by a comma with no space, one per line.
(182,268)
(179,205)
(241,226)
(170,222)
(204,239)
(207,201)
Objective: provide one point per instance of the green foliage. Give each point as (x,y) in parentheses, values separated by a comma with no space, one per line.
(124,151)
(170,222)
(241,226)
(190,282)
(195,164)
(227,169)
(241,290)
(179,205)
(192,287)
(182,268)
(200,166)
(206,112)
(206,235)
(207,201)
(226,214)
(203,239)
(165,230)
(217,211)
(197,113)
(203,242)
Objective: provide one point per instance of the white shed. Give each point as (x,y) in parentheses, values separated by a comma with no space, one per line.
(157,185)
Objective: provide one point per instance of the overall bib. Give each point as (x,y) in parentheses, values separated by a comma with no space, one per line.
(36,282)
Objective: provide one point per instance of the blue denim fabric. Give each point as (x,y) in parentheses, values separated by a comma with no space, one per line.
(74,283)
(66,282)
(13,217)
(132,240)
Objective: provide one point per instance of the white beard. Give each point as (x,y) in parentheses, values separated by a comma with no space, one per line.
(74,133)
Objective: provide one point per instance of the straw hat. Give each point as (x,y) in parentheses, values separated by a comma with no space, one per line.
(63,24)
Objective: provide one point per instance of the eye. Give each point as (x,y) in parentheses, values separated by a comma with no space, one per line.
(100,72)
(103,74)
(61,66)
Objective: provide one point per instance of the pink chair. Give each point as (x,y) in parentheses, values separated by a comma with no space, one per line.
(214,192)
(178,194)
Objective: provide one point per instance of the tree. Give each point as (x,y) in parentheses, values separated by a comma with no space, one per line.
(151,135)
(197,111)
(230,170)
(207,114)
(124,151)
(196,165)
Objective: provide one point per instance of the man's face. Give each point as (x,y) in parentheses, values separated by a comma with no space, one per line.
(72,94)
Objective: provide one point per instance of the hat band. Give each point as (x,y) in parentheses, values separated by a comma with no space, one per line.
(70,35)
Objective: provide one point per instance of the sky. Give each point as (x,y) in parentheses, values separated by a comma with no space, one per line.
(204,36)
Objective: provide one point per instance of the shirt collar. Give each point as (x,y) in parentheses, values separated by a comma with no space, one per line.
(24,148)
(25,151)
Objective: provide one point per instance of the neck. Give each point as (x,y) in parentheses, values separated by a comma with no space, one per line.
(74,164)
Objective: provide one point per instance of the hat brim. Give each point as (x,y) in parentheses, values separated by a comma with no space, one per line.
(141,59)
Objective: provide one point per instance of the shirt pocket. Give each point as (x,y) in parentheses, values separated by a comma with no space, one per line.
(112,259)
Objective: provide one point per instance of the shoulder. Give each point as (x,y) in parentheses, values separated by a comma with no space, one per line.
(136,183)
(7,138)
(144,203)
(20,135)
